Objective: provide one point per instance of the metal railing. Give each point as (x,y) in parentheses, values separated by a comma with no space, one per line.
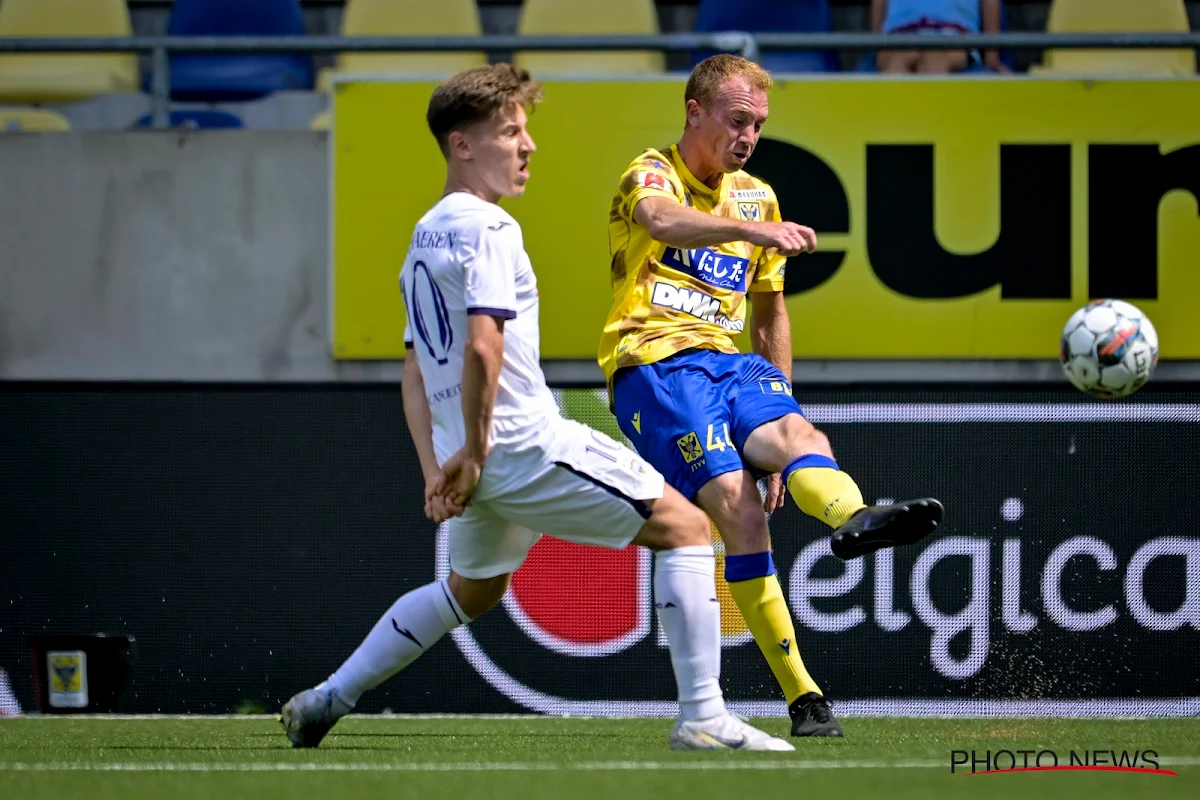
(749,45)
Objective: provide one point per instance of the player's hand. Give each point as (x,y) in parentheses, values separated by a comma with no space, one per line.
(788,238)
(775,495)
(438,507)
(461,472)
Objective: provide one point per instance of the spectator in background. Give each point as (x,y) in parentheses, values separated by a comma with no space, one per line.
(945,17)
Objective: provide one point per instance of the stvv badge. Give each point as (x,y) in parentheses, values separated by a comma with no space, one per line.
(68,678)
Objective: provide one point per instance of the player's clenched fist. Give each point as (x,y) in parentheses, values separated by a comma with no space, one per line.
(438,507)
(461,472)
(788,238)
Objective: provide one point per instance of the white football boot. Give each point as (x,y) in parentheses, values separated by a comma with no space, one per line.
(308,716)
(726,732)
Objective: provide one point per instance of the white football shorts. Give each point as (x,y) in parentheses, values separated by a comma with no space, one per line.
(576,484)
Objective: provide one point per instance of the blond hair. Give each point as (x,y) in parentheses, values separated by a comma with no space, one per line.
(473,95)
(710,75)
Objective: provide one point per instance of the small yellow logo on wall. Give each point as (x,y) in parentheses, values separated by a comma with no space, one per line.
(68,679)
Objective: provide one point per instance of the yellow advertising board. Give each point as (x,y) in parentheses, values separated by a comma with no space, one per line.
(958,218)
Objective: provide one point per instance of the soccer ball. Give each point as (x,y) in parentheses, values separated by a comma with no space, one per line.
(1109,348)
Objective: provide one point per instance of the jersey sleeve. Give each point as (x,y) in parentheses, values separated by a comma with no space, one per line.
(408,337)
(768,271)
(490,280)
(646,177)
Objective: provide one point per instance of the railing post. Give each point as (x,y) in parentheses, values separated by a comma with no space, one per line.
(160,88)
(750,50)
(743,43)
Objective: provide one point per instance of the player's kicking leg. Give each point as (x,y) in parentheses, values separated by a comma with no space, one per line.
(687,407)
(771,434)
(792,446)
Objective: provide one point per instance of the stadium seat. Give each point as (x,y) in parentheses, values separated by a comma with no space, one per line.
(197,119)
(57,78)
(1118,16)
(237,77)
(27,120)
(551,17)
(408,18)
(772,16)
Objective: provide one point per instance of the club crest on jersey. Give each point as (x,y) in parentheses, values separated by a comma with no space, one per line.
(689,447)
(750,211)
(652,180)
(721,270)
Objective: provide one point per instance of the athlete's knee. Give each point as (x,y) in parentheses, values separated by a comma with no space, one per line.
(477,595)
(674,522)
(803,437)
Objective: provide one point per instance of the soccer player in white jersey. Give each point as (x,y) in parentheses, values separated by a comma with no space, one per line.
(500,462)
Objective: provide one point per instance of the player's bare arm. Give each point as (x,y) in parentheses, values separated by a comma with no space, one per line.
(771,338)
(679,226)
(481,377)
(420,427)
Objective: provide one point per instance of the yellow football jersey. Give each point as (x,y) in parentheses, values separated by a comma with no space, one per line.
(667,299)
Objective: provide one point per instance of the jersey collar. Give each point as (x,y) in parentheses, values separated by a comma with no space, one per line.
(694,184)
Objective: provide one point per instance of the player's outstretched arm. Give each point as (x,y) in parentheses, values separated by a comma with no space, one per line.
(482,360)
(677,225)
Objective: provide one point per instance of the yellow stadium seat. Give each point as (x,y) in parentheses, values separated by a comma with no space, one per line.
(408,18)
(1119,16)
(58,78)
(551,17)
(26,120)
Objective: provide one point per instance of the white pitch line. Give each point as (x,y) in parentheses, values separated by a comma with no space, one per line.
(272,717)
(493,766)
(471,766)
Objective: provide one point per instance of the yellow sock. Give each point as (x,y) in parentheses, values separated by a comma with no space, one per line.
(766,613)
(822,490)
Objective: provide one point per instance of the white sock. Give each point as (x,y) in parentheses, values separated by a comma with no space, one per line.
(686,598)
(410,627)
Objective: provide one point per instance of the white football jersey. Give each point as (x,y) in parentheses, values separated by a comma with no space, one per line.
(467,256)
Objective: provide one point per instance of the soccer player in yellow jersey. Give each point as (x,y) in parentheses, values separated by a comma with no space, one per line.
(692,237)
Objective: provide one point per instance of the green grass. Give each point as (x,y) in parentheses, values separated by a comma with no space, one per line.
(541,757)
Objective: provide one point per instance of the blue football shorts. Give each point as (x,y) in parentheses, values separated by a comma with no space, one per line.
(690,414)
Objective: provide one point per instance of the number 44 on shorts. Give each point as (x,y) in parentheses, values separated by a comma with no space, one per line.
(690,448)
